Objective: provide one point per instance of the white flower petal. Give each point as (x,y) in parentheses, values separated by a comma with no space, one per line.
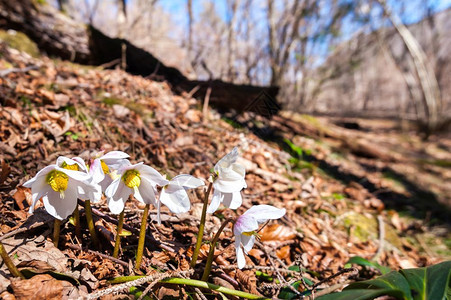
(41,174)
(175,198)
(61,208)
(228,186)
(248,242)
(86,191)
(112,188)
(234,173)
(64,159)
(96,194)
(126,165)
(77,175)
(241,260)
(158,212)
(227,160)
(105,183)
(152,175)
(215,202)
(232,200)
(114,155)
(81,164)
(187,181)
(116,203)
(41,189)
(145,192)
(262,213)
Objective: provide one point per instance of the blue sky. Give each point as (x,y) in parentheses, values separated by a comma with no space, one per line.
(178,8)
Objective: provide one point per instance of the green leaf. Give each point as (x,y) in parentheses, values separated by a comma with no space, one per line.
(298,269)
(264,276)
(362,294)
(366,263)
(125,232)
(391,281)
(429,283)
(137,293)
(122,279)
(287,293)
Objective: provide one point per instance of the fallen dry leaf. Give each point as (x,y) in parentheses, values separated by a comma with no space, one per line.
(276,232)
(39,287)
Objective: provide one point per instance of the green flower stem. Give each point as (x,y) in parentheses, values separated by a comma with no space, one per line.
(142,237)
(92,230)
(76,216)
(213,287)
(9,263)
(201,227)
(211,254)
(56,232)
(117,244)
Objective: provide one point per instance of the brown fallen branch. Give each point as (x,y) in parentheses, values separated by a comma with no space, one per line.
(3,73)
(23,229)
(78,248)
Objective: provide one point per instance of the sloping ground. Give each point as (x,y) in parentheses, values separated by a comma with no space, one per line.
(52,108)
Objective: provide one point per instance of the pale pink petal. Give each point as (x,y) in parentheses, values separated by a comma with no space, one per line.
(262,213)
(245,223)
(96,171)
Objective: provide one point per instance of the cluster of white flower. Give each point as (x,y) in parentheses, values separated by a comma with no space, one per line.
(61,184)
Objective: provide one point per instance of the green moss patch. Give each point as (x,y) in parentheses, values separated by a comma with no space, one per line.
(19,41)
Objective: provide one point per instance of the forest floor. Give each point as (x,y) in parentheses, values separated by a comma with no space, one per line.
(372,190)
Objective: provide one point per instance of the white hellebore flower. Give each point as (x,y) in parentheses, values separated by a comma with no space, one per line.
(246,225)
(78,164)
(174,195)
(59,188)
(139,180)
(230,182)
(103,168)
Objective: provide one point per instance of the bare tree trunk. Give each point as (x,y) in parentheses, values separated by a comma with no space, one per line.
(426,76)
(234,4)
(60,35)
(122,22)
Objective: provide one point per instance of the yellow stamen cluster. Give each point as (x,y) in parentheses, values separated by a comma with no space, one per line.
(131,179)
(251,233)
(105,168)
(73,167)
(58,181)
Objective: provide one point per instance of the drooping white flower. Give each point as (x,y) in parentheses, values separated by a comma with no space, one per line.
(138,180)
(229,183)
(246,225)
(104,168)
(78,164)
(59,189)
(174,195)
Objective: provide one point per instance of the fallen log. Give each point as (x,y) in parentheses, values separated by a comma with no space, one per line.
(58,35)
